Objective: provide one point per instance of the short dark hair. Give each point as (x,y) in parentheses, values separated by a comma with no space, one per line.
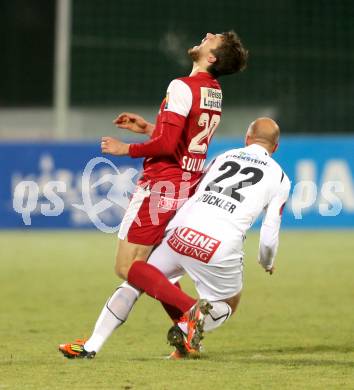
(231,56)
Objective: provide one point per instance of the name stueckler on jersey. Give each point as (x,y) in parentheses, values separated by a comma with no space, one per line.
(214,200)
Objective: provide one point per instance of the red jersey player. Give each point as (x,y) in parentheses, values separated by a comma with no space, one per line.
(174,160)
(174,157)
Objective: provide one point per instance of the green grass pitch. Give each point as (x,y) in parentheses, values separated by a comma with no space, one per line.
(293,330)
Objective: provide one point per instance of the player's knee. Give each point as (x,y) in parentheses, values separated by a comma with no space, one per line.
(126,254)
(121,271)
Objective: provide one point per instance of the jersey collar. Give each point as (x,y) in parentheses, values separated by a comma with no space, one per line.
(205,75)
(259,149)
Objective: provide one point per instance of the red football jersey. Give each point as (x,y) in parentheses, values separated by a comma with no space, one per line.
(195,104)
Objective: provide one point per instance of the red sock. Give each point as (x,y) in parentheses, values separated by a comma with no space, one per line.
(148,278)
(174,313)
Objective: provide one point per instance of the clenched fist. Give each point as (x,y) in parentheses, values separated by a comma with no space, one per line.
(114,146)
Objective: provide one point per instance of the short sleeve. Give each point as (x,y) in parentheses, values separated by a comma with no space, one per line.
(179,98)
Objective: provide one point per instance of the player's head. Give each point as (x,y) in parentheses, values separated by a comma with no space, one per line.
(220,54)
(264,132)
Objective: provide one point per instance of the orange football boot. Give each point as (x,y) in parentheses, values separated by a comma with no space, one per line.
(76,350)
(177,355)
(188,344)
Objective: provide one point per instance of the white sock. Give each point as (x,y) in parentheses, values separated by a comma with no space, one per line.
(114,314)
(220,312)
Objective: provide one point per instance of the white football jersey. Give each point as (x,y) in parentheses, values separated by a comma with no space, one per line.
(237,186)
(205,238)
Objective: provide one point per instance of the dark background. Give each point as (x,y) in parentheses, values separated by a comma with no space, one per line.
(126,52)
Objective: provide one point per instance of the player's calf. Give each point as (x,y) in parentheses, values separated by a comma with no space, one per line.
(126,254)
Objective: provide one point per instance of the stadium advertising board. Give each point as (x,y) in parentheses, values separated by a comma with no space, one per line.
(71,185)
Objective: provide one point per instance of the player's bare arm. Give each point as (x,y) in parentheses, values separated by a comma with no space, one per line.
(134,123)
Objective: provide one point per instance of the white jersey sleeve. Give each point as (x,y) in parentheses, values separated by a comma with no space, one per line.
(269,234)
(179,98)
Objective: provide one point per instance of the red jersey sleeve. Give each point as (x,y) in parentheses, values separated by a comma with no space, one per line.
(176,108)
(165,143)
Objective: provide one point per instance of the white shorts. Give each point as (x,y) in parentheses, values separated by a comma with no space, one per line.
(215,266)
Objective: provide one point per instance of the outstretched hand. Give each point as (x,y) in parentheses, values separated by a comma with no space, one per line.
(132,122)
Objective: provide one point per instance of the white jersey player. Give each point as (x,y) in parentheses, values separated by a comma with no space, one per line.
(205,238)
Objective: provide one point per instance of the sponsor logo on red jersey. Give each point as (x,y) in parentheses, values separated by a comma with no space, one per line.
(168,203)
(210,99)
(192,243)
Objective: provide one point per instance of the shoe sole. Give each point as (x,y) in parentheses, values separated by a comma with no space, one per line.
(176,339)
(204,306)
(175,336)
